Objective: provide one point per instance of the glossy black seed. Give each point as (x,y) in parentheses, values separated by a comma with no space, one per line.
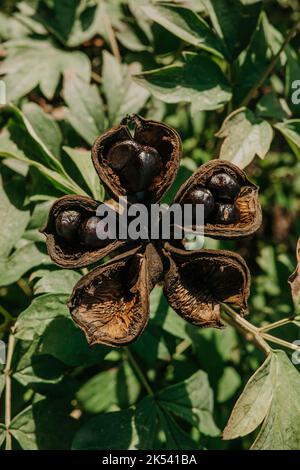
(226,213)
(67,223)
(140,171)
(224,186)
(88,232)
(121,153)
(201,196)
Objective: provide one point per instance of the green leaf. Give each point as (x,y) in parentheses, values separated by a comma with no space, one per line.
(45,126)
(13,216)
(270,106)
(198,80)
(245,136)
(56,282)
(154,344)
(191,400)
(48,318)
(272,395)
(145,420)
(2,433)
(82,159)
(30,368)
(164,316)
(44,425)
(264,45)
(176,438)
(20,262)
(114,431)
(234,22)
(65,341)
(37,317)
(292,75)
(11,28)
(104,390)
(130,97)
(228,384)
(280,430)
(31,63)
(187,25)
(60,19)
(85,107)
(20,141)
(253,404)
(290,129)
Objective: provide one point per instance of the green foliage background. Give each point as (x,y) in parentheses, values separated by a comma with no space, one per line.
(221,73)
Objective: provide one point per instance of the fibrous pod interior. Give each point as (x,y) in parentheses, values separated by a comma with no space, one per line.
(233,216)
(198,281)
(152,134)
(73,253)
(111,303)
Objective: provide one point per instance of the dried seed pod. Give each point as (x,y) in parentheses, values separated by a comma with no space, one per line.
(246,202)
(111,303)
(198,281)
(156,135)
(71,253)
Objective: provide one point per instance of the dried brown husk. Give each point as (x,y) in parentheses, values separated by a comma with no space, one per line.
(197,282)
(74,255)
(247,201)
(111,303)
(152,133)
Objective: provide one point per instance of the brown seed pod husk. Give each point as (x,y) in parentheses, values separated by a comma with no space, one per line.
(147,132)
(74,254)
(247,202)
(197,282)
(111,303)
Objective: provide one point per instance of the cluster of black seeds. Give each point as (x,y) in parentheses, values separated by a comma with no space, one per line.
(218,199)
(72,226)
(136,164)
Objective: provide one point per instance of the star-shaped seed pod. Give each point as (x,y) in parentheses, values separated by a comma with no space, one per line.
(140,159)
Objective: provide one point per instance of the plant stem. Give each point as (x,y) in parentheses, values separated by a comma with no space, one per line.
(25,287)
(249,331)
(182,346)
(6,314)
(139,372)
(281,342)
(276,324)
(257,335)
(270,67)
(96,77)
(7,375)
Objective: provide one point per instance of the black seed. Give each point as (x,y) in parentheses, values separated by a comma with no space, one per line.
(140,171)
(88,232)
(67,223)
(224,186)
(226,214)
(201,196)
(121,153)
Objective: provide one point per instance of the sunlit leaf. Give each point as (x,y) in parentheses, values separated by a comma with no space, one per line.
(198,81)
(245,137)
